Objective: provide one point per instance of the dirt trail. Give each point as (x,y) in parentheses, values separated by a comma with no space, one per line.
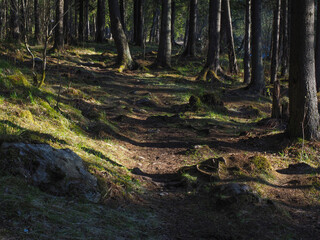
(160,134)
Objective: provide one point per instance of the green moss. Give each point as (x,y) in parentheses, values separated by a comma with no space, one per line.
(27,115)
(18,79)
(195,102)
(189,178)
(261,164)
(50,111)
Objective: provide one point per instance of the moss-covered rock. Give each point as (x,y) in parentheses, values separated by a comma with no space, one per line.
(56,171)
(260,164)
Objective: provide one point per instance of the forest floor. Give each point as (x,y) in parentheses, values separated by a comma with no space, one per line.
(151,148)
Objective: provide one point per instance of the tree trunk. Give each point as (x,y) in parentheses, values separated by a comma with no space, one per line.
(76,10)
(138,22)
(36,21)
(213,64)
(257,83)
(303,104)
(87,21)
(276,109)
(120,39)
(173,19)
(318,48)
(101,13)
(164,51)
(226,13)
(191,40)
(247,38)
(81,20)
(58,37)
(4,19)
(153,30)
(14,20)
(123,14)
(275,43)
(284,38)
(66,23)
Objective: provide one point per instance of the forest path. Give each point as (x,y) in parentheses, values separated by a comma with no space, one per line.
(161,133)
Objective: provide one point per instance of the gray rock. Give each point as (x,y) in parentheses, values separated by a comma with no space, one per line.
(38,60)
(146,102)
(233,189)
(56,171)
(235,194)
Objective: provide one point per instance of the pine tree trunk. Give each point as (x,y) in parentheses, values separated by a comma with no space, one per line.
(14,21)
(247,38)
(317,54)
(303,104)
(87,21)
(257,83)
(66,23)
(76,10)
(5,16)
(191,40)
(101,13)
(276,109)
(123,14)
(138,22)
(81,21)
(36,21)
(275,43)
(284,38)
(155,20)
(58,37)
(226,13)
(164,51)
(212,65)
(120,39)
(173,19)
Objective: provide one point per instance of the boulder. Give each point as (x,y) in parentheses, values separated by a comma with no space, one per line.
(146,102)
(57,171)
(235,194)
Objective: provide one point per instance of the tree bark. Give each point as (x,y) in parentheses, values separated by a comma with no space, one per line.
(81,21)
(303,104)
(36,21)
(247,38)
(257,83)
(14,21)
(191,39)
(87,21)
(58,37)
(212,65)
(4,19)
(123,14)
(275,42)
(76,10)
(284,38)
(66,23)
(226,13)
(317,54)
(120,39)
(173,20)
(164,51)
(138,22)
(101,13)
(153,30)
(276,108)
